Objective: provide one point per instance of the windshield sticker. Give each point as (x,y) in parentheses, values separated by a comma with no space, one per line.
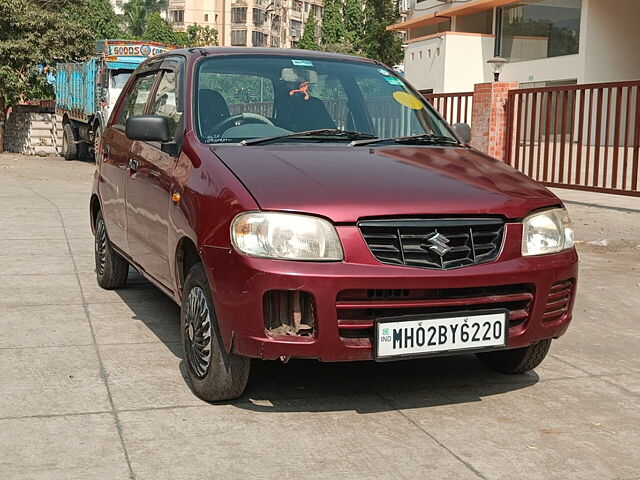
(302,63)
(408,100)
(383,71)
(393,80)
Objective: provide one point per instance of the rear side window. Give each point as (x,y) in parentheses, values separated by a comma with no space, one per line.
(137,97)
(165,102)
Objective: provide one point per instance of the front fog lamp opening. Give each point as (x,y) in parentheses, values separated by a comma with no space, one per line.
(285,236)
(546,232)
(289,313)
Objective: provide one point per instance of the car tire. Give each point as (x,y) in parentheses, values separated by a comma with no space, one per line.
(69,146)
(517,360)
(111,269)
(215,374)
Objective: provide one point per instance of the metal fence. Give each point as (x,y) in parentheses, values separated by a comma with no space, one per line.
(454,107)
(585,137)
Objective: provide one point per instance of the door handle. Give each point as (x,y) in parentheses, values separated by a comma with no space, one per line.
(133,164)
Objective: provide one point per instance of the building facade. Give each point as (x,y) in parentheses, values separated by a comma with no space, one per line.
(546,42)
(257,23)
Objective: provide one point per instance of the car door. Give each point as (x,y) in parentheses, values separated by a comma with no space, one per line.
(113,167)
(150,180)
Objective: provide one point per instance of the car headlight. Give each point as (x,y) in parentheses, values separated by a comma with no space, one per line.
(285,236)
(545,232)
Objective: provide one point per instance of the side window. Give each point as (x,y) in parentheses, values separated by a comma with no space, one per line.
(165,102)
(136,98)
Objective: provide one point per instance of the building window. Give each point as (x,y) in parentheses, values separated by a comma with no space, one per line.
(238,38)
(259,17)
(206,17)
(275,22)
(534,29)
(259,39)
(238,14)
(297,6)
(296,28)
(176,16)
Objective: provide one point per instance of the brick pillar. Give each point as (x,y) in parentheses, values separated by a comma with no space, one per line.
(489,117)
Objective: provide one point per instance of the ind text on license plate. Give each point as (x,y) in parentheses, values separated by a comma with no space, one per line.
(422,335)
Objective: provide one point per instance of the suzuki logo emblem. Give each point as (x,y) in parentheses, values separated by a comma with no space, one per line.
(438,244)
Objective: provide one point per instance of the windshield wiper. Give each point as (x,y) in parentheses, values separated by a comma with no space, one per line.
(421,139)
(321,132)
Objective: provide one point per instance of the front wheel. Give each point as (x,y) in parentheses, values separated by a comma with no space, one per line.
(215,374)
(517,360)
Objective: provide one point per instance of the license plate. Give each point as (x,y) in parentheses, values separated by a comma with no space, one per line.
(423,335)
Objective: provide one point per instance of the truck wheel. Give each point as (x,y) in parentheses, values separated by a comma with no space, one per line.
(111,268)
(69,147)
(97,138)
(517,360)
(215,374)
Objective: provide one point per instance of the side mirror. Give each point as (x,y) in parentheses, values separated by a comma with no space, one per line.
(463,131)
(147,128)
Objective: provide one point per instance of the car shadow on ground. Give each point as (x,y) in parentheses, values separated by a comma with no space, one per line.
(312,386)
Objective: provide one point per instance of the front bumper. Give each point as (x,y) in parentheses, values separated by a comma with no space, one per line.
(239,283)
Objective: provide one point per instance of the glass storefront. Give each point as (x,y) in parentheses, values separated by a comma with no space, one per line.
(534,29)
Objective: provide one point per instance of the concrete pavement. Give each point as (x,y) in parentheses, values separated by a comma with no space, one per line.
(92,384)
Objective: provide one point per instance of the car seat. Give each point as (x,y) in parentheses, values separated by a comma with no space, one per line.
(212,109)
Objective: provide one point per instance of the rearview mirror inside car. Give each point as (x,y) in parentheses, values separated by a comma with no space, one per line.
(147,128)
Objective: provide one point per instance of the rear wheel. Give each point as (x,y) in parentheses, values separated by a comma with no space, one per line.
(69,146)
(111,268)
(517,360)
(215,374)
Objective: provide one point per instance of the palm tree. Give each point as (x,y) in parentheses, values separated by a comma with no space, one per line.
(136,11)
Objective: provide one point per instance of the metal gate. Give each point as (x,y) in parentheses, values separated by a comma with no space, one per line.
(585,137)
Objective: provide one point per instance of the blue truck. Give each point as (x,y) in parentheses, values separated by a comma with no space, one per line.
(87,91)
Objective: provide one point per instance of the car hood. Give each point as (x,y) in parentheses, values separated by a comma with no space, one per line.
(345,183)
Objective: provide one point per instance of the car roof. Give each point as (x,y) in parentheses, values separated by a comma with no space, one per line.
(253,51)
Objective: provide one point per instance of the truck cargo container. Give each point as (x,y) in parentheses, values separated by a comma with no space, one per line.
(87,91)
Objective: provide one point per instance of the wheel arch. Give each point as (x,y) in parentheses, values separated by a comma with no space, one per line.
(94,208)
(186,256)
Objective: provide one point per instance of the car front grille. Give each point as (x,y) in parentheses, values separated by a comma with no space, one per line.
(434,243)
(357,309)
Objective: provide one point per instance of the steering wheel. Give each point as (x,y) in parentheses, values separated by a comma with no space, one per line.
(240,118)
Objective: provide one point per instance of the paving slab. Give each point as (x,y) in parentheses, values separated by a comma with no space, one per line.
(550,430)
(46,289)
(43,326)
(51,381)
(61,448)
(14,264)
(332,441)
(141,322)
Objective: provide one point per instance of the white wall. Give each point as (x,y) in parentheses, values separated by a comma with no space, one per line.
(610,39)
(544,69)
(466,61)
(427,72)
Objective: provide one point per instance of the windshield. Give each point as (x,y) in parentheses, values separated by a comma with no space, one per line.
(249,97)
(119,78)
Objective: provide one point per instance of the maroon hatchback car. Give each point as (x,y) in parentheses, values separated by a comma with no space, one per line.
(302,204)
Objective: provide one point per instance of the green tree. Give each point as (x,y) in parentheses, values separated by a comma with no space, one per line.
(34,32)
(135,17)
(202,36)
(98,17)
(353,22)
(309,41)
(157,30)
(378,42)
(332,30)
